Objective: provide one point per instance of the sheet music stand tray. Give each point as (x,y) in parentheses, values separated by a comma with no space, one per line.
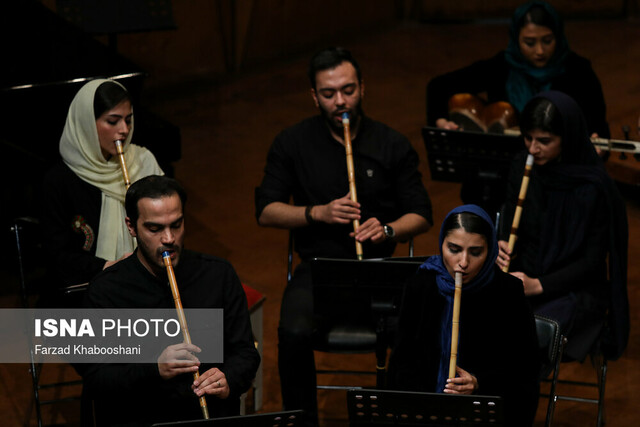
(455,155)
(363,293)
(273,419)
(400,408)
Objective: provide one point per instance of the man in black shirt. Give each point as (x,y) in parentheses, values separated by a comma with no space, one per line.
(146,393)
(307,162)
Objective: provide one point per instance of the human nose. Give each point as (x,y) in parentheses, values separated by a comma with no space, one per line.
(167,237)
(463,262)
(124,128)
(534,147)
(539,49)
(340,99)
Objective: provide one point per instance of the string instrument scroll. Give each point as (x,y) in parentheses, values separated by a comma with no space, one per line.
(455,325)
(166,257)
(123,165)
(352,177)
(516,217)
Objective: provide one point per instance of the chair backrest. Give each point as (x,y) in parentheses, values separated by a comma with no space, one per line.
(550,342)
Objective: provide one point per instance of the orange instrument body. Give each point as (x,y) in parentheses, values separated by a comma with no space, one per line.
(352,177)
(183,320)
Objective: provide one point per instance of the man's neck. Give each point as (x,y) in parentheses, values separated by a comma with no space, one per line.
(151,268)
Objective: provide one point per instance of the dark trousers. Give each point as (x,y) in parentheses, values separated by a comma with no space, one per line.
(295,351)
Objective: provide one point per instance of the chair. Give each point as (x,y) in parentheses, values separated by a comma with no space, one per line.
(26,231)
(349,337)
(551,344)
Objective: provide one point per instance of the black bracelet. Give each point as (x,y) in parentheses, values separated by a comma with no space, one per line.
(307,214)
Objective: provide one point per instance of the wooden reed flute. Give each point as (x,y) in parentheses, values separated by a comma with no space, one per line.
(455,325)
(352,176)
(166,257)
(123,165)
(516,217)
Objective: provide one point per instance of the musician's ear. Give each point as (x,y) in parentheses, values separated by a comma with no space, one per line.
(314,95)
(131,227)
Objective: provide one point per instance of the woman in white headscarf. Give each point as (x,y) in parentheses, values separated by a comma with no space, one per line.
(83,199)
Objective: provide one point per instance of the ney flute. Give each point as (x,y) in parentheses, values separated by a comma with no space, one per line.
(166,257)
(351,173)
(123,165)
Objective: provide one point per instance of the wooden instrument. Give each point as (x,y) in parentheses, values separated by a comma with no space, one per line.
(473,114)
(123,165)
(516,217)
(455,325)
(352,177)
(166,257)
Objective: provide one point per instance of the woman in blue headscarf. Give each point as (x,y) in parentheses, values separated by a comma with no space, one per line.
(537,58)
(497,347)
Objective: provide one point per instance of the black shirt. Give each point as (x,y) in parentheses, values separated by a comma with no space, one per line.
(305,162)
(136,392)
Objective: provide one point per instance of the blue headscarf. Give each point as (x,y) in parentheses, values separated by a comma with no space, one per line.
(524,79)
(446,285)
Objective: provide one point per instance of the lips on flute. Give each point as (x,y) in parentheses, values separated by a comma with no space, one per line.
(166,257)
(123,165)
(352,177)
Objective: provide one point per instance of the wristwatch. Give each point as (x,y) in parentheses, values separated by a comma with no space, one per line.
(389,232)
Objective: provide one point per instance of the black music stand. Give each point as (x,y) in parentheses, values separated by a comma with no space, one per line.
(272,419)
(400,408)
(479,160)
(365,293)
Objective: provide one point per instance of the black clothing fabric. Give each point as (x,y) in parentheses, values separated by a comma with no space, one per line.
(68,200)
(306,163)
(136,393)
(573,222)
(497,344)
(489,76)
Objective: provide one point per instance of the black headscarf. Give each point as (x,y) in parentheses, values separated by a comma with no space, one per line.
(566,225)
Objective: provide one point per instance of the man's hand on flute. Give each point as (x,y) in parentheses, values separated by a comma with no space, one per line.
(212,382)
(178,359)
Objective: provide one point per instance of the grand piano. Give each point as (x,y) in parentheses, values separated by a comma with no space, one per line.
(45,60)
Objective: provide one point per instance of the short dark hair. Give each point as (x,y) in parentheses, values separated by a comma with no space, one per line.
(153,187)
(539,15)
(541,113)
(108,95)
(470,222)
(330,58)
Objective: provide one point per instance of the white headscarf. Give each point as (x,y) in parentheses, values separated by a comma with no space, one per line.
(80,150)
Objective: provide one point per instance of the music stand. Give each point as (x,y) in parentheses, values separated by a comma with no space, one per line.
(364,293)
(273,419)
(480,160)
(400,408)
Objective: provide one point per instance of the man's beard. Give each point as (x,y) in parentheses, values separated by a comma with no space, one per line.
(154,257)
(336,125)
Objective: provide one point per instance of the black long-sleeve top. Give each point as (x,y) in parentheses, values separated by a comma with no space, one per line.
(497,344)
(305,162)
(489,76)
(68,201)
(582,270)
(136,392)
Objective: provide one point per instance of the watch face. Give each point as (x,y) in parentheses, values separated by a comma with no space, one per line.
(388,231)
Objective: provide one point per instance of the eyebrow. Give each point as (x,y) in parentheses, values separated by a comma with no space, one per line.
(340,88)
(157,224)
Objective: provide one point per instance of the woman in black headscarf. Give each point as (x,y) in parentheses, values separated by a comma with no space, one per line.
(573,222)
(497,350)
